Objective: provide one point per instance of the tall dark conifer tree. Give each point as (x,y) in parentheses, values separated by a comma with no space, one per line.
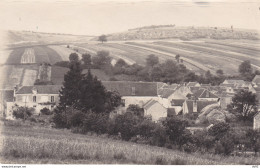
(70,92)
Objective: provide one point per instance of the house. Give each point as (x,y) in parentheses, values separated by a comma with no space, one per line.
(193,84)
(256,80)
(6,103)
(176,105)
(256,125)
(195,106)
(204,94)
(138,93)
(225,99)
(38,96)
(154,109)
(167,95)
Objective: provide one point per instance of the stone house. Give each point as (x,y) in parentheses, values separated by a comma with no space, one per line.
(38,96)
(206,95)
(154,109)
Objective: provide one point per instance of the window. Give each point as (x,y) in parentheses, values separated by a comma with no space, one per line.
(52,98)
(123,102)
(133,90)
(34,98)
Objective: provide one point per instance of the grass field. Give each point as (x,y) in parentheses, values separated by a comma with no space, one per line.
(25,143)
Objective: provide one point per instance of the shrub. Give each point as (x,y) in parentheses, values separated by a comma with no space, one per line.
(224,146)
(46,111)
(219,130)
(145,128)
(95,123)
(32,119)
(23,112)
(159,136)
(136,110)
(126,124)
(189,147)
(175,129)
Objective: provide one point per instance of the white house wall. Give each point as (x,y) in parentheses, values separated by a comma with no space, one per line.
(138,100)
(157,111)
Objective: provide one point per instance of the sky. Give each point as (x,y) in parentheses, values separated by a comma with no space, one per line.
(95,17)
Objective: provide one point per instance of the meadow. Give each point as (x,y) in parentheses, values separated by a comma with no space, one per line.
(25,142)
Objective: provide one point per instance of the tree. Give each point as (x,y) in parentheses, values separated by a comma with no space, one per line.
(244,104)
(175,128)
(74,57)
(102,59)
(86,58)
(102,38)
(70,92)
(136,110)
(219,72)
(23,112)
(245,68)
(152,60)
(177,57)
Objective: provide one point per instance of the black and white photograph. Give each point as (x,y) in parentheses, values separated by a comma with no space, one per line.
(129,82)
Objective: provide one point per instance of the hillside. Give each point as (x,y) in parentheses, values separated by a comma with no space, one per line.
(184,33)
(28,38)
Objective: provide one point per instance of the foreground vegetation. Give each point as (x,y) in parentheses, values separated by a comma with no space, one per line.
(25,142)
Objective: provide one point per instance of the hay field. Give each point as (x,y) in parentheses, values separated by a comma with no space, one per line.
(24,143)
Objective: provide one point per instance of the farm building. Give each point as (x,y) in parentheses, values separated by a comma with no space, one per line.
(137,93)
(38,96)
(204,94)
(154,109)
(256,125)
(195,106)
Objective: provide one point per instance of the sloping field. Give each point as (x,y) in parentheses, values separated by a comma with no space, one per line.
(28,56)
(15,56)
(4,54)
(220,56)
(29,77)
(114,52)
(36,54)
(172,53)
(62,51)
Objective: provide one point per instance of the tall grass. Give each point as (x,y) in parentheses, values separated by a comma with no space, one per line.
(38,145)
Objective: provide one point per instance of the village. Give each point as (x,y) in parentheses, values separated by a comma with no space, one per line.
(158,100)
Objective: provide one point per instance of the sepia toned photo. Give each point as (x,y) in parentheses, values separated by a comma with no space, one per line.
(129,82)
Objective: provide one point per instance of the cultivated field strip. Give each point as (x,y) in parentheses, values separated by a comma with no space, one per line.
(29,77)
(28,56)
(15,56)
(212,51)
(172,53)
(220,57)
(115,53)
(62,51)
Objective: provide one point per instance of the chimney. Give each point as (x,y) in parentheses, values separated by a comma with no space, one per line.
(195,106)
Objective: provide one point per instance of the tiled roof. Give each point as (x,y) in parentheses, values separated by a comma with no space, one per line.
(7,95)
(227,85)
(202,93)
(200,104)
(165,93)
(130,88)
(41,89)
(177,102)
(194,89)
(234,81)
(192,84)
(149,104)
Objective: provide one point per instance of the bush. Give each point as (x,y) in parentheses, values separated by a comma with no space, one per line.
(23,112)
(126,125)
(175,128)
(145,128)
(219,130)
(159,136)
(224,146)
(46,111)
(95,123)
